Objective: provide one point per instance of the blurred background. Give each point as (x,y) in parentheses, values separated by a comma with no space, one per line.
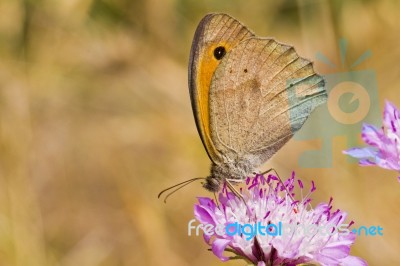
(95,120)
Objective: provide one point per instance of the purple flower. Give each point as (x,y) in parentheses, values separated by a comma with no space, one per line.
(294,233)
(384,143)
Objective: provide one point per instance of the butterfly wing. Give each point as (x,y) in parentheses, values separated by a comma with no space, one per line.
(261,93)
(214,30)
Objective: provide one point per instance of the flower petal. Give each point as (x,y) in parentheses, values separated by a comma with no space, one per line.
(204,215)
(391,118)
(361,153)
(336,252)
(373,136)
(207,238)
(353,261)
(207,202)
(366,162)
(218,247)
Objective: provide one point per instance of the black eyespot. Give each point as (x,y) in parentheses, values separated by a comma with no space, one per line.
(245,70)
(219,52)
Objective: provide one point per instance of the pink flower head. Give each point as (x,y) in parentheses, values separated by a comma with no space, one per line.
(267,203)
(384,143)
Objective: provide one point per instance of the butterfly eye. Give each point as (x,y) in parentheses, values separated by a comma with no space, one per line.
(219,52)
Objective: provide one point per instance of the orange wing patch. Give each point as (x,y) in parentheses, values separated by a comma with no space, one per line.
(206,68)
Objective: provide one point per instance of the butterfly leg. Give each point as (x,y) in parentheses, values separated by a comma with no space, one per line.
(230,182)
(270,170)
(216,200)
(233,189)
(234,180)
(237,193)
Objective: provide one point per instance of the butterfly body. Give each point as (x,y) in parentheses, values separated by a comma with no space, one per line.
(249,96)
(237,169)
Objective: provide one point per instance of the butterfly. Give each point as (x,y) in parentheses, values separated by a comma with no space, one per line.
(249,95)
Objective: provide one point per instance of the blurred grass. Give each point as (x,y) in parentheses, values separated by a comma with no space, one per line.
(95,120)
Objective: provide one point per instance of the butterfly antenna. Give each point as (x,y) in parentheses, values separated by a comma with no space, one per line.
(179,185)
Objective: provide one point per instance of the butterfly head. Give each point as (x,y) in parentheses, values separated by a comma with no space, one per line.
(212,183)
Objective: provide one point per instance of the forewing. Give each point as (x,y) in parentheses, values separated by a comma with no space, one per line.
(214,30)
(261,94)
